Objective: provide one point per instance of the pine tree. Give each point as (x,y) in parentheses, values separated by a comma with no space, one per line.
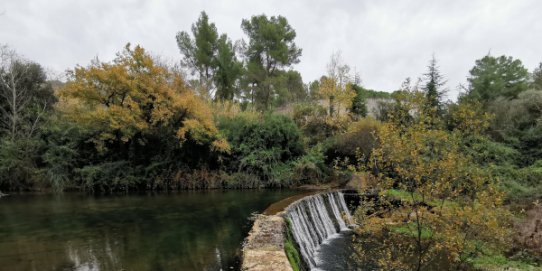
(433,87)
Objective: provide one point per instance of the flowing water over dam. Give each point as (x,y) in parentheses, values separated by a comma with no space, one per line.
(316,220)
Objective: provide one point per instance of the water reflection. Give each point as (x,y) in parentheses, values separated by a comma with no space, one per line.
(184,231)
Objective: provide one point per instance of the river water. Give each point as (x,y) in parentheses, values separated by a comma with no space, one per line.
(200,230)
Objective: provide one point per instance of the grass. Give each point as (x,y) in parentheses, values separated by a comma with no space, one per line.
(289,247)
(411,230)
(401,195)
(405,196)
(500,262)
(492,259)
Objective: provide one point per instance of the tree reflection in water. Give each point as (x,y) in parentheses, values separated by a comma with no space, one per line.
(180,231)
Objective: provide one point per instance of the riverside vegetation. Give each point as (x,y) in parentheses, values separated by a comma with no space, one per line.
(455,180)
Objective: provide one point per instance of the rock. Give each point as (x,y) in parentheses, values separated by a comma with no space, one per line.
(264,246)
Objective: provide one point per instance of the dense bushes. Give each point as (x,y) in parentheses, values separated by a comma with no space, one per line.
(486,152)
(518,123)
(354,146)
(448,204)
(261,145)
(129,124)
(317,126)
(19,160)
(511,153)
(133,124)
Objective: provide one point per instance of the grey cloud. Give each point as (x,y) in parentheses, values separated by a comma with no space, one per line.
(385,40)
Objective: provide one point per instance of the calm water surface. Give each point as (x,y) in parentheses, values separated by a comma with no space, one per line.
(179,231)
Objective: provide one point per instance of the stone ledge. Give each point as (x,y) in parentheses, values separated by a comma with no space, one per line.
(264,246)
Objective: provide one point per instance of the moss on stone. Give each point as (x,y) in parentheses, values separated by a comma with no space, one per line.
(289,247)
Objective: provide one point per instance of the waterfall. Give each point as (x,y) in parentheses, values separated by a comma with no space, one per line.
(317,219)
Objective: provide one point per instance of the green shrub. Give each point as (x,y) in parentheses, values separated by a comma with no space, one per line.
(304,112)
(18,164)
(110,176)
(521,184)
(485,151)
(311,168)
(316,125)
(261,145)
(357,143)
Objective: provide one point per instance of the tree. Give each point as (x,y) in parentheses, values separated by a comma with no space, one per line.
(336,86)
(199,51)
(519,122)
(434,202)
(493,77)
(228,70)
(433,87)
(130,98)
(270,48)
(26,99)
(359,106)
(314,88)
(537,78)
(25,95)
(289,88)
(294,85)
(137,124)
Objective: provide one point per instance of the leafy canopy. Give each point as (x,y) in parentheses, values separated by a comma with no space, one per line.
(447,204)
(131,97)
(493,77)
(270,48)
(199,52)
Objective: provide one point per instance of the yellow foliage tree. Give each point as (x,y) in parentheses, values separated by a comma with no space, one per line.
(445,207)
(338,95)
(133,95)
(336,87)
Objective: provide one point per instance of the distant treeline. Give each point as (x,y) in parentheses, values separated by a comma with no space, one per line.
(217,121)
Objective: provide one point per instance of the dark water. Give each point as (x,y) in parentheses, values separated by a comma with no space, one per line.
(336,254)
(181,231)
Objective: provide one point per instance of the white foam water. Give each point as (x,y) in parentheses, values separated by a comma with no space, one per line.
(317,219)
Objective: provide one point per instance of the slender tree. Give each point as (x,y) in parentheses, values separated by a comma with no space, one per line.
(199,51)
(433,87)
(270,49)
(25,95)
(537,78)
(25,99)
(228,70)
(336,87)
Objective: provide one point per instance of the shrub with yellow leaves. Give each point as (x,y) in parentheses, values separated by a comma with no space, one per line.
(435,208)
(131,97)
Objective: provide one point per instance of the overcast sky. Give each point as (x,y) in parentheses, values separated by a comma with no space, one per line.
(386,40)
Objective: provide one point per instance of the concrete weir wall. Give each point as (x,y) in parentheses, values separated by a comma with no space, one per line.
(264,247)
(314,218)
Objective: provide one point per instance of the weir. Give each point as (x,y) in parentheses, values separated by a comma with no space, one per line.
(317,219)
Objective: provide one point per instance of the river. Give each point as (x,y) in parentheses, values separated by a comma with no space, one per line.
(190,230)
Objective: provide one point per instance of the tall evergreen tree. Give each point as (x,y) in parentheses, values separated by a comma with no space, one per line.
(199,51)
(433,87)
(228,69)
(494,77)
(270,49)
(213,58)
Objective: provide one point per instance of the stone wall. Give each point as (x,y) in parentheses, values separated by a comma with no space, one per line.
(264,247)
